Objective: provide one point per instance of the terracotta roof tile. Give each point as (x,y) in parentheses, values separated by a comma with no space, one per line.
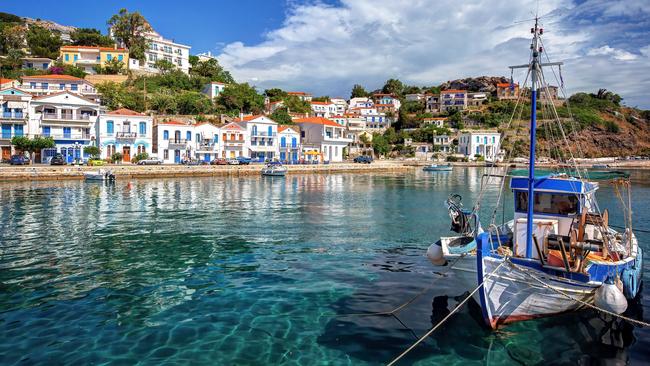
(125,112)
(52,77)
(317,121)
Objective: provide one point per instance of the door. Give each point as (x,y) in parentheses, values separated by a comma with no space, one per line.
(6,152)
(126,154)
(206,158)
(177,156)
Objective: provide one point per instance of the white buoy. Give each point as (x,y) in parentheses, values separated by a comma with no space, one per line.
(434,253)
(611,298)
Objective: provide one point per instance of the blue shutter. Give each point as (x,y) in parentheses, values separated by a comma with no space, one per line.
(18,130)
(165,135)
(46,131)
(188,134)
(67,132)
(143,128)
(109,127)
(270,130)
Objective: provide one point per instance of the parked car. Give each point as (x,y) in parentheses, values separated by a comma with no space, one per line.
(219,161)
(19,160)
(233,162)
(150,161)
(58,159)
(96,162)
(190,161)
(363,159)
(243,160)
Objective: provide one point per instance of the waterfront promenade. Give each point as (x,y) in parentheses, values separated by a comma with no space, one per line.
(125,171)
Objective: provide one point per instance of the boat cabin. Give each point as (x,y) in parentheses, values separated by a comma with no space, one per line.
(559,204)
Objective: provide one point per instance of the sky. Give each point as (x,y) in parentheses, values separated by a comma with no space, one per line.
(325,47)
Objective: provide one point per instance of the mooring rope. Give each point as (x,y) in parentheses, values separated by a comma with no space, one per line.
(526,272)
(452,312)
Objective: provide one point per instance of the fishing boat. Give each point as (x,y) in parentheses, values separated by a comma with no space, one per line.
(559,252)
(99,175)
(274,169)
(438,168)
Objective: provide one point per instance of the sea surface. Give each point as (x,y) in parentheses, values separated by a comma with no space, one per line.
(265,271)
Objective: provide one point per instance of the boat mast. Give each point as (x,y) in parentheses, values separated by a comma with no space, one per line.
(534,68)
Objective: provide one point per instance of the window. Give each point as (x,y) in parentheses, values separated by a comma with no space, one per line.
(165,135)
(254,130)
(18,130)
(67,57)
(494,139)
(45,66)
(6,131)
(215,138)
(165,154)
(548,203)
(270,130)
(67,133)
(485,140)
(143,128)
(110,128)
(76,57)
(293,142)
(120,57)
(61,86)
(188,136)
(198,137)
(478,139)
(32,85)
(109,57)
(283,142)
(74,87)
(46,131)
(45,86)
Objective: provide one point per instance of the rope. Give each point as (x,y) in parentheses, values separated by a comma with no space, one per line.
(633,321)
(394,361)
(410,301)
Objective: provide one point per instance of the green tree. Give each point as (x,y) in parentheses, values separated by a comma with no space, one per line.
(163,102)
(358,92)
(191,102)
(380,144)
(93,151)
(43,43)
(59,68)
(325,98)
(38,143)
(212,70)
(238,98)
(12,37)
(12,62)
(393,86)
(275,94)
(164,66)
(112,67)
(130,30)
(116,96)
(281,116)
(295,105)
(90,37)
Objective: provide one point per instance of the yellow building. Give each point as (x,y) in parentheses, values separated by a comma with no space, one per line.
(87,57)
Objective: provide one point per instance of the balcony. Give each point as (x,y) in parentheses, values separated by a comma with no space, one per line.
(337,138)
(68,136)
(287,147)
(233,141)
(263,134)
(67,117)
(126,135)
(177,143)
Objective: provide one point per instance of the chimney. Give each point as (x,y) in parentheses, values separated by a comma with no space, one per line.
(241,116)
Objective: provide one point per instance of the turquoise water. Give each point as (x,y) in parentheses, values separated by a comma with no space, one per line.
(262,271)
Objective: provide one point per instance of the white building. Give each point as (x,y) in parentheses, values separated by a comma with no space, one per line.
(37,63)
(48,84)
(126,132)
(305,97)
(453,100)
(360,102)
(162,49)
(434,121)
(290,147)
(213,89)
(206,144)
(14,119)
(324,109)
(483,143)
(323,136)
(233,140)
(443,143)
(414,97)
(174,141)
(69,119)
(341,105)
(263,141)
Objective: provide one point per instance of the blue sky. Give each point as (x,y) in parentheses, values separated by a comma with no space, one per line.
(325,47)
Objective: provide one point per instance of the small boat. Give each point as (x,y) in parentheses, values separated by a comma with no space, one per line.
(100,176)
(274,169)
(600,166)
(438,168)
(559,252)
(490,164)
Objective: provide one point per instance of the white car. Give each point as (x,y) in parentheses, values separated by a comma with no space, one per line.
(150,161)
(233,162)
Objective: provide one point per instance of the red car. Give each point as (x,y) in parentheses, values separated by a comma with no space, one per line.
(219,161)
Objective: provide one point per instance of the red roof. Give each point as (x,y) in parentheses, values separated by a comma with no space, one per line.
(173,122)
(453,91)
(249,118)
(232,126)
(298,93)
(284,127)
(317,121)
(322,103)
(506,85)
(125,112)
(4,81)
(51,77)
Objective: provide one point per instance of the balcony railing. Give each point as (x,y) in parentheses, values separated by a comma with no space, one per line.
(84,90)
(67,117)
(234,141)
(15,115)
(68,136)
(289,147)
(126,135)
(263,134)
(177,143)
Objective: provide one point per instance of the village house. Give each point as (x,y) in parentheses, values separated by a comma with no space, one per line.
(290,146)
(341,105)
(432,103)
(8,83)
(476,99)
(161,49)
(387,100)
(434,121)
(453,100)
(305,97)
(552,93)
(506,91)
(416,97)
(322,137)
(37,63)
(477,143)
(213,89)
(443,143)
(14,120)
(47,84)
(233,140)
(174,141)
(126,132)
(206,144)
(69,118)
(89,57)
(323,109)
(263,137)
(360,102)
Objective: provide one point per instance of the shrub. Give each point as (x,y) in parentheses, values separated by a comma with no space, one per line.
(612,127)
(116,157)
(140,156)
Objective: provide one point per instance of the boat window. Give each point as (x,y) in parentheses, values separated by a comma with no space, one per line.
(548,203)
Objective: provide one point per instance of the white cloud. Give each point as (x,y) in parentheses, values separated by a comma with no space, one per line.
(615,53)
(325,49)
